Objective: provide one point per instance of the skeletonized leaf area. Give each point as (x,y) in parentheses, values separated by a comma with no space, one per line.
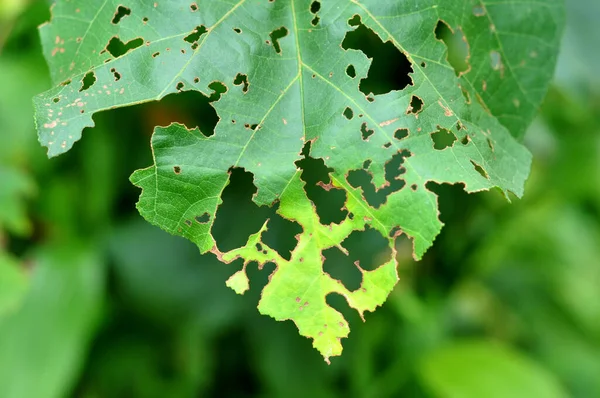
(339,112)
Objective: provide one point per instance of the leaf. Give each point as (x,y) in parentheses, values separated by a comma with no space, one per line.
(43,343)
(13,284)
(479,368)
(285,79)
(15,186)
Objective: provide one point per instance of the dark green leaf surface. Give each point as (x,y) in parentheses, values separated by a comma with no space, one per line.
(287,83)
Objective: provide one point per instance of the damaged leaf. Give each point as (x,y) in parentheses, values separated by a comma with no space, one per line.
(302,85)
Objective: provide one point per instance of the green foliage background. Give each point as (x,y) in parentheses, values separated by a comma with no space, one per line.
(95,302)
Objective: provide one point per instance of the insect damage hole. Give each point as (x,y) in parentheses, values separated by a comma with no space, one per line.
(348,113)
(202,219)
(368,248)
(329,201)
(195,35)
(116,74)
(277,34)
(401,134)
(117,48)
(190,108)
(480,170)
(416,105)
(351,71)
(237,204)
(241,79)
(121,13)
(315,6)
(88,81)
(390,69)
(218,89)
(443,139)
(377,196)
(366,132)
(457,45)
(340,267)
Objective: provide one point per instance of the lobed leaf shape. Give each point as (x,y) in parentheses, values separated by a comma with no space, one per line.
(292,91)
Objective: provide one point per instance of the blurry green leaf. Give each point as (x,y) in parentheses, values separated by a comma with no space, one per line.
(297,77)
(9,9)
(21,76)
(13,284)
(166,280)
(43,344)
(485,369)
(576,69)
(14,188)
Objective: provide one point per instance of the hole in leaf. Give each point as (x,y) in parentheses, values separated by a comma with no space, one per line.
(194,7)
(456,43)
(281,235)
(237,30)
(195,35)
(218,89)
(355,20)
(117,48)
(366,132)
(315,6)
(416,105)
(340,267)
(329,201)
(369,248)
(116,74)
(339,303)
(443,139)
(348,113)
(390,69)
(238,205)
(377,196)
(88,81)
(401,134)
(350,71)
(240,79)
(480,170)
(177,170)
(190,108)
(276,35)
(121,13)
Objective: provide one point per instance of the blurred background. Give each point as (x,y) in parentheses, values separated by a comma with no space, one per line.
(95,302)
